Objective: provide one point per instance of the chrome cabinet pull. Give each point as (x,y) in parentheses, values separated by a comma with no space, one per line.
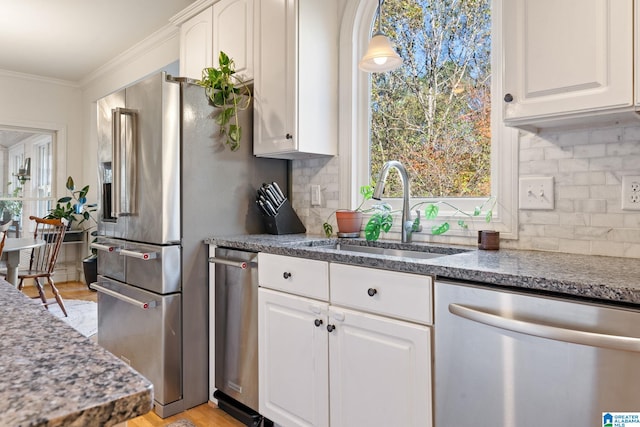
(592,339)
(286,274)
(317,322)
(140,304)
(233,263)
(372,291)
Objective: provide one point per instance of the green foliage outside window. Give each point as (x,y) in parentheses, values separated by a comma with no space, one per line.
(433,113)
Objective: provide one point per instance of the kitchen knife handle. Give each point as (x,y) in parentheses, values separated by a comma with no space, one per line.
(278,190)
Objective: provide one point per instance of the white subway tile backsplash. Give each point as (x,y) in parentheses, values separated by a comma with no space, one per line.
(587,165)
(585,151)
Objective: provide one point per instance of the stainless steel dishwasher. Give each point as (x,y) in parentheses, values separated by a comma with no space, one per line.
(510,359)
(236,333)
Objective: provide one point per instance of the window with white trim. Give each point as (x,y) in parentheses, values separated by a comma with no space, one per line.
(388,107)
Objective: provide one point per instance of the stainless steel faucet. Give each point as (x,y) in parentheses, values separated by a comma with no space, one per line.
(407,223)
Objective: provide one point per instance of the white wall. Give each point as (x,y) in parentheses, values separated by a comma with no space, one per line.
(70,109)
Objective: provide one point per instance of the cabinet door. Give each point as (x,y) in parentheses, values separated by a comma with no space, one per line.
(380,371)
(233,34)
(275,76)
(566,56)
(293,359)
(195,44)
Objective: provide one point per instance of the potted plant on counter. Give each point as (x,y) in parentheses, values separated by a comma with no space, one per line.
(74,209)
(381,220)
(349,221)
(228,92)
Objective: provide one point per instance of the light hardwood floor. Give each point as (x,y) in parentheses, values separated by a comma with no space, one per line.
(205,415)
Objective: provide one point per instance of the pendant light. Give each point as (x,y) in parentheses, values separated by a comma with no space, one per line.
(380,56)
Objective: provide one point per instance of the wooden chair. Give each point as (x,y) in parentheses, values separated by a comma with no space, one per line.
(43,258)
(4,228)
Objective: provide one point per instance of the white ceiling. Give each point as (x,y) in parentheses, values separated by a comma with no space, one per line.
(69,39)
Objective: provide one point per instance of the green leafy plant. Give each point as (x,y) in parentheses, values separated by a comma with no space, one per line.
(382,219)
(74,208)
(229,93)
(366,191)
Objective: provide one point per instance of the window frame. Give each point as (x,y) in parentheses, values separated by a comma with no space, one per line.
(354,94)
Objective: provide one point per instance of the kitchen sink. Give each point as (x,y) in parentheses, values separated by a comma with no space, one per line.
(407,253)
(421,251)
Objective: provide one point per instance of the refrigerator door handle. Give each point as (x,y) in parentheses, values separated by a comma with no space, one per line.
(140,304)
(139,255)
(124,163)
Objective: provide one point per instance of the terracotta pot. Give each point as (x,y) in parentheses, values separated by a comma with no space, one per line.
(349,221)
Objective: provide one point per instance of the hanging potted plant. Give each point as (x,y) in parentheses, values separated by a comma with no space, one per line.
(230,94)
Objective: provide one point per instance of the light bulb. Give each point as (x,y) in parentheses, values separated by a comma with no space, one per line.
(380,60)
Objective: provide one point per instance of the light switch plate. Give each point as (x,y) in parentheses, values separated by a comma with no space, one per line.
(315,195)
(631,193)
(536,192)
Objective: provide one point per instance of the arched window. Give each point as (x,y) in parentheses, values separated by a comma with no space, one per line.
(433,113)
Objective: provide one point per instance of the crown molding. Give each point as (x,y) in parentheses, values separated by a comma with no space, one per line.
(36,78)
(163,35)
(191,10)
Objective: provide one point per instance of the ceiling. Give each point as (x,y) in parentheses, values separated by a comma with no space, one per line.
(69,39)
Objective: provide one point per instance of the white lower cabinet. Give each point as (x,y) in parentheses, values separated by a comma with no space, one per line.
(323,364)
(293,359)
(380,371)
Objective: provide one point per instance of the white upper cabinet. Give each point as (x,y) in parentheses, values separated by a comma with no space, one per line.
(567,61)
(233,34)
(196,44)
(225,25)
(296,87)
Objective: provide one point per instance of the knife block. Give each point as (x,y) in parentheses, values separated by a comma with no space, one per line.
(285,222)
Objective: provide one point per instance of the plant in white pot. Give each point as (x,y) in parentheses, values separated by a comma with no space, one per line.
(75,209)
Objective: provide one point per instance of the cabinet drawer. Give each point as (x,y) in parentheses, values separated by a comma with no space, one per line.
(401,295)
(297,276)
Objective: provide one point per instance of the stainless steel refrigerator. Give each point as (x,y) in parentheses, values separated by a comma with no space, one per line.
(166,183)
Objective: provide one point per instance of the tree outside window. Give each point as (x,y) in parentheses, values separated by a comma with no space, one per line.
(433,113)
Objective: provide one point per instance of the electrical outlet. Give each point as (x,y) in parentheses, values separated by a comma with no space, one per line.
(315,195)
(536,192)
(631,193)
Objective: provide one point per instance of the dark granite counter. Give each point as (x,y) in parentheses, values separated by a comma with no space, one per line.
(54,376)
(609,279)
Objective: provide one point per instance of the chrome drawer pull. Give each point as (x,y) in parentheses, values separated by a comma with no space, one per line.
(240,264)
(105,248)
(141,304)
(139,255)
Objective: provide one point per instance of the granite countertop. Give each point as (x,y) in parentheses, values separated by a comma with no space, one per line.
(54,376)
(608,279)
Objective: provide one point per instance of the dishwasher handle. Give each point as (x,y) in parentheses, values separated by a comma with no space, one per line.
(592,339)
(230,262)
(140,304)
